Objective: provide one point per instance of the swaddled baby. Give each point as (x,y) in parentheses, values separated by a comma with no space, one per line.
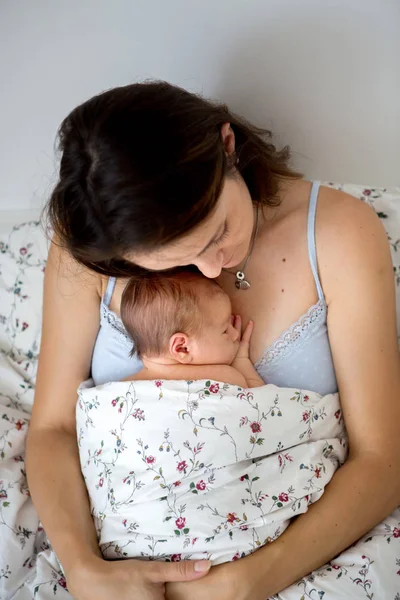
(183,328)
(184,461)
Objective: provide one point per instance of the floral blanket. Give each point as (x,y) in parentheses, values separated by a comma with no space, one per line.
(28,566)
(156,454)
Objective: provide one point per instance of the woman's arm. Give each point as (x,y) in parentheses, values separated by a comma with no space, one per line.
(357,277)
(70,326)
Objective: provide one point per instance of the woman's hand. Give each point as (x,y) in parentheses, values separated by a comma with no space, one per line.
(243,579)
(129,579)
(217,584)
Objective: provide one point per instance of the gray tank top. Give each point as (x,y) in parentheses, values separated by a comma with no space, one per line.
(300,358)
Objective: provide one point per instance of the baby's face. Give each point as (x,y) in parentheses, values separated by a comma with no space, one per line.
(218,341)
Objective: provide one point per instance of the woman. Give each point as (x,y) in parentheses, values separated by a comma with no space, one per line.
(154,177)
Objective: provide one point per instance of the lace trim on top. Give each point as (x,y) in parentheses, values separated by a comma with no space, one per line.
(297,333)
(113,320)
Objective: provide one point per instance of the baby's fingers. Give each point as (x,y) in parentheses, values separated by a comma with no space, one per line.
(247,332)
(237,323)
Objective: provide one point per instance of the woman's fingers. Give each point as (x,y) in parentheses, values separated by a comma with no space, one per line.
(185,570)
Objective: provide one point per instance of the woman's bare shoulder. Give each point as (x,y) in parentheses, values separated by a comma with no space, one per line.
(345,219)
(350,237)
(69,273)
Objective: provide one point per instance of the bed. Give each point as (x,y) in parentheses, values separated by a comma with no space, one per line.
(28,566)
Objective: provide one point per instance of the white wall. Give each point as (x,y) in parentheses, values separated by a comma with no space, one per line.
(323,74)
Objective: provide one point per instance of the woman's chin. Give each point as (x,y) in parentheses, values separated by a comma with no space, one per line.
(237,257)
(233,261)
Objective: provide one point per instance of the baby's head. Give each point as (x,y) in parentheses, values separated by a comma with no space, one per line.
(183,317)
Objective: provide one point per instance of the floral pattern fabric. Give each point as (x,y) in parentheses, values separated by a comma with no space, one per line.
(157,454)
(28,566)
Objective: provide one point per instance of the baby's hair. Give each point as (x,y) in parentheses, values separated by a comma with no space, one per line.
(156,305)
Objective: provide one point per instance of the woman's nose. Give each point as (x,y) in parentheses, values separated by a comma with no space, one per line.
(211,267)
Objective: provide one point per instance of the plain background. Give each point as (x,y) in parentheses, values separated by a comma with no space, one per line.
(322,74)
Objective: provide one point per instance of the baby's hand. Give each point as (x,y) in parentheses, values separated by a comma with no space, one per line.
(244,345)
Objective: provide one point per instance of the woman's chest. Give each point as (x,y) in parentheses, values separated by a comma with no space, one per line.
(282,289)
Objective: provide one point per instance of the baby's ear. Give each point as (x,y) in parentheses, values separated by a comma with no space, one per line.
(179,348)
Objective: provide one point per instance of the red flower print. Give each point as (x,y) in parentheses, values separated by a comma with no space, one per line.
(236,557)
(124,522)
(336,567)
(150,460)
(366,192)
(3,494)
(317,472)
(138,414)
(176,558)
(24,326)
(62,582)
(181,466)
(244,477)
(214,388)
(200,485)
(396,532)
(244,527)
(398,573)
(337,413)
(23,251)
(306,398)
(114,402)
(231,517)
(101,482)
(255,427)
(180,522)
(19,425)
(306,415)
(177,483)
(283,497)
(194,540)
(158,383)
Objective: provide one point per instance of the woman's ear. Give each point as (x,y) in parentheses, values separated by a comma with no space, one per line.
(228,138)
(180,348)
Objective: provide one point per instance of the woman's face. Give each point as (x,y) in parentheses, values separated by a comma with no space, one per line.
(221,241)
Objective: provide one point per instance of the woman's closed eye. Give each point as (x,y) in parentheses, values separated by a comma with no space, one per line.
(222,237)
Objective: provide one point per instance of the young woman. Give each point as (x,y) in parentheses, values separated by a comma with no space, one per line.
(153,177)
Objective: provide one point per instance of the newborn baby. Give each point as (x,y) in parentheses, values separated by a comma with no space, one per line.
(184,461)
(183,329)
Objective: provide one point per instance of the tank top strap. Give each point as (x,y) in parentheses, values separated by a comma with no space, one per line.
(109,291)
(312,249)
